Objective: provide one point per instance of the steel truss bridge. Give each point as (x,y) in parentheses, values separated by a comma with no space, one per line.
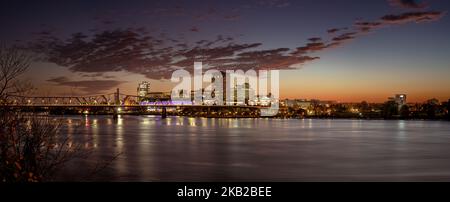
(96,100)
(112,101)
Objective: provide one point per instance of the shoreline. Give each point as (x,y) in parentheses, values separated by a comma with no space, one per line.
(251,117)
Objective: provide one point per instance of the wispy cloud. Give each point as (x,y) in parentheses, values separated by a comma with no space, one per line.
(157,56)
(407,4)
(87,86)
(413,17)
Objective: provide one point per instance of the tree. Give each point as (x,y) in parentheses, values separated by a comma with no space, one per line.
(390,109)
(448,109)
(404,111)
(430,110)
(13,63)
(364,106)
(32,147)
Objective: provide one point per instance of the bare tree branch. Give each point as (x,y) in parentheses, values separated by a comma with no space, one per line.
(13,63)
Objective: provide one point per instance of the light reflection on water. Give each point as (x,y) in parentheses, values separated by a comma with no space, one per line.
(202,149)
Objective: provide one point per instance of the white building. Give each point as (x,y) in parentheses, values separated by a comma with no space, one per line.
(400,99)
(143,90)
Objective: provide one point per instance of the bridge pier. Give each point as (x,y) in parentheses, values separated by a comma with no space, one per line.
(164,113)
(116,113)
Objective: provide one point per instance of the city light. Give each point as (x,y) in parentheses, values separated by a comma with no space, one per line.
(256,90)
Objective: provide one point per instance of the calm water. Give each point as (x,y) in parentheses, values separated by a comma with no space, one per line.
(201,149)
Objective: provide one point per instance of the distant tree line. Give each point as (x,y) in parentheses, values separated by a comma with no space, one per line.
(432,109)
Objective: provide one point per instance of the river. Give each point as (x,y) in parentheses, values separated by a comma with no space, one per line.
(202,149)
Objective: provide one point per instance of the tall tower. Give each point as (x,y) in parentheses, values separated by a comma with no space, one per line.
(117,97)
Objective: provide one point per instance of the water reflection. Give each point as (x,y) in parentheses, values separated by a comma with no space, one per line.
(202,149)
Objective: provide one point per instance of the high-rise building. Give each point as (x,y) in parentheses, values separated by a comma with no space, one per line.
(239,93)
(400,99)
(224,86)
(249,93)
(243,93)
(143,90)
(221,87)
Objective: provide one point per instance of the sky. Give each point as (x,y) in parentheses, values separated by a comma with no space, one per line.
(348,50)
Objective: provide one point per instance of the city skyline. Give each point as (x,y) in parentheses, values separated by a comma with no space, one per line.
(228,92)
(367,52)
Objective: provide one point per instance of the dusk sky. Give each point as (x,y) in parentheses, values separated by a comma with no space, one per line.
(348,50)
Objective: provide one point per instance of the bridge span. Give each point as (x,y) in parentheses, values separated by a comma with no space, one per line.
(116,103)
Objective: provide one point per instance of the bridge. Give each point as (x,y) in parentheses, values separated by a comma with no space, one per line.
(111,99)
(115,102)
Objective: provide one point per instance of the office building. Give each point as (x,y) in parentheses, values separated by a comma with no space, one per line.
(400,99)
(143,90)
